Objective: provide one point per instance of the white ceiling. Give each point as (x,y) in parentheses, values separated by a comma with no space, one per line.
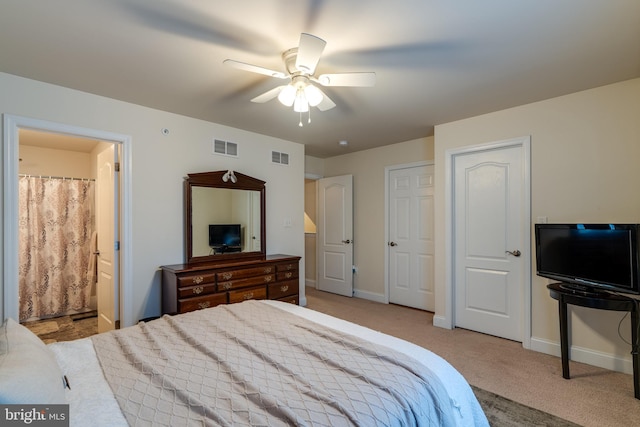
(435,61)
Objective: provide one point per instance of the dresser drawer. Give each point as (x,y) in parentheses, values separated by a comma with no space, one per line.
(190,304)
(225,276)
(287,275)
(240,295)
(198,290)
(292,299)
(283,289)
(243,283)
(289,266)
(196,279)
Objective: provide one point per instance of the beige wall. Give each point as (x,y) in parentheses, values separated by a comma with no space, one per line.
(368,170)
(47,162)
(585,151)
(158,165)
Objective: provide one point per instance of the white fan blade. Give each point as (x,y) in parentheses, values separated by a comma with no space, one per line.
(347,79)
(309,50)
(269,95)
(326,103)
(255,69)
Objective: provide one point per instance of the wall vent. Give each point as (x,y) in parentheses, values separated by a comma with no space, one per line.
(280,158)
(225,148)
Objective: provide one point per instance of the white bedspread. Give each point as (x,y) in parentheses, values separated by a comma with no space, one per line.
(92,402)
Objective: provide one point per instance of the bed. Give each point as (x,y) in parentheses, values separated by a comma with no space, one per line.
(251,363)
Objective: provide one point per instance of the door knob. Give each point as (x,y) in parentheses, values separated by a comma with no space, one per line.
(393,244)
(515,253)
(346,241)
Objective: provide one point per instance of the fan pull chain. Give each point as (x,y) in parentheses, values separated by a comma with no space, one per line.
(300,124)
(309,120)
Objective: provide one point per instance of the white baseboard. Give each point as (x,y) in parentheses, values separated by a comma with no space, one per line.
(441,322)
(584,355)
(310,282)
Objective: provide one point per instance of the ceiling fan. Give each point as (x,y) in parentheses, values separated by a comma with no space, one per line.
(300,64)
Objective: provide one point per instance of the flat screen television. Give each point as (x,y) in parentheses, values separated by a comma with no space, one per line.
(225,237)
(589,257)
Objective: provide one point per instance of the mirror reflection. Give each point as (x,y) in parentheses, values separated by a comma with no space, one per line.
(224,220)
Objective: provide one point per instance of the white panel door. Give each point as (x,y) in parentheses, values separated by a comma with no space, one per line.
(106,217)
(411,247)
(335,235)
(489,225)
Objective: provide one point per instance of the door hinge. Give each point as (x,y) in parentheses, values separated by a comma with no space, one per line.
(117,246)
(116,166)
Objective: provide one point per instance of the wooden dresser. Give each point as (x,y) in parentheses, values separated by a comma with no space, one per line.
(188,287)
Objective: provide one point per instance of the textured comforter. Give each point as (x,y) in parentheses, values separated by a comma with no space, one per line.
(253,364)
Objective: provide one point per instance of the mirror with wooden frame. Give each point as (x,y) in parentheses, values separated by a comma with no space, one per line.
(224,217)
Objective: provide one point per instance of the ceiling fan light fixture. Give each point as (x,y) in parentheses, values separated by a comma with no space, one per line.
(287,95)
(313,95)
(300,63)
(300,105)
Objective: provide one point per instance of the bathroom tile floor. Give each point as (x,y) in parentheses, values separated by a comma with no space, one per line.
(65,328)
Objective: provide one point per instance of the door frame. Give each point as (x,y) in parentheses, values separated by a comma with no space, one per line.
(387,208)
(12,125)
(448,320)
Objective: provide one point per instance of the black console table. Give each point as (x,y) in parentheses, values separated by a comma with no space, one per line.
(602,301)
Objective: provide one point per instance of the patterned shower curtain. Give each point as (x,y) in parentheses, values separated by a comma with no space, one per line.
(55,227)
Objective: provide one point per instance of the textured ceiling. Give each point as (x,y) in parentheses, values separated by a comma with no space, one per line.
(435,61)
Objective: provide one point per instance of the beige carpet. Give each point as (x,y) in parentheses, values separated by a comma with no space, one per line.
(592,397)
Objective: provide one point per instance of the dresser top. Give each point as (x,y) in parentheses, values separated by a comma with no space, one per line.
(231,263)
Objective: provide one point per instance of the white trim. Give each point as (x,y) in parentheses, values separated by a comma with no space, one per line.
(584,355)
(387,172)
(10,213)
(12,125)
(312,282)
(448,319)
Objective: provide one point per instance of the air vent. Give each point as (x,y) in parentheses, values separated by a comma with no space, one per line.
(280,158)
(225,148)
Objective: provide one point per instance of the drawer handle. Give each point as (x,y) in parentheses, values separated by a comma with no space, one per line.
(267,279)
(288,274)
(248,295)
(284,288)
(198,290)
(290,267)
(198,279)
(227,276)
(205,304)
(227,285)
(267,270)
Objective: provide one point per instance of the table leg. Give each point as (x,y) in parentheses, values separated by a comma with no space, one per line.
(564,338)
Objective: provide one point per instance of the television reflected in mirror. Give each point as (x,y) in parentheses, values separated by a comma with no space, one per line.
(225,238)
